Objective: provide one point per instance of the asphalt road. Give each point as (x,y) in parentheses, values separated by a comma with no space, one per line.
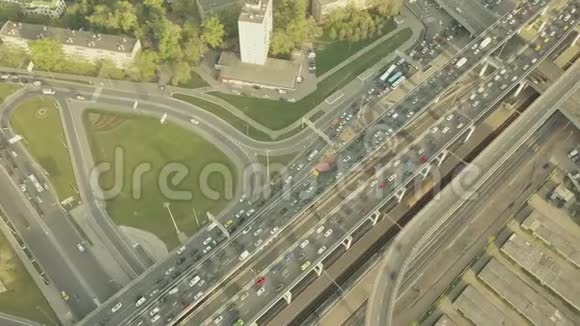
(396,261)
(228,251)
(470,108)
(40,211)
(475,223)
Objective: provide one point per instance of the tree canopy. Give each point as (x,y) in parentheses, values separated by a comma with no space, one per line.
(213,31)
(292,26)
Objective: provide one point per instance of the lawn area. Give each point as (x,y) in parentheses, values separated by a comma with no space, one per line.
(195,82)
(6,90)
(22,297)
(331,53)
(38,121)
(223,113)
(144,140)
(278,114)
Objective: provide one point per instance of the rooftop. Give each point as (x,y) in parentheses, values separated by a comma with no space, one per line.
(253,11)
(274,73)
(34,32)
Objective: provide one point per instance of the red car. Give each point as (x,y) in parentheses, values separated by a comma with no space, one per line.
(424,158)
(261,281)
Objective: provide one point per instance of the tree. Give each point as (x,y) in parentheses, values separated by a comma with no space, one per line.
(193,46)
(184,9)
(387,7)
(12,56)
(281,44)
(145,66)
(169,42)
(9,11)
(46,54)
(121,17)
(107,69)
(180,72)
(212,31)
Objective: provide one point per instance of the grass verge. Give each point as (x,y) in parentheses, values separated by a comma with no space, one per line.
(278,114)
(331,53)
(22,297)
(38,121)
(146,144)
(6,90)
(226,115)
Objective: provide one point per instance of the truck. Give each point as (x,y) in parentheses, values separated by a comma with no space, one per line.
(35,182)
(15,139)
(461,62)
(485,43)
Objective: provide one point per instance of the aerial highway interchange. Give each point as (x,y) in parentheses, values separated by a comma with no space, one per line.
(193,285)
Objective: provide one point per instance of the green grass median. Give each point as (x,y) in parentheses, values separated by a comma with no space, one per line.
(38,121)
(161,152)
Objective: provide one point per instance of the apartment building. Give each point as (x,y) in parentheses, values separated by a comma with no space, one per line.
(89,46)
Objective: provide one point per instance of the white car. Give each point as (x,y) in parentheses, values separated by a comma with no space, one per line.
(410,114)
(260,291)
(328,233)
(79,97)
(195,280)
(181,250)
(247,230)
(320,229)
(198,295)
(434,130)
(195,122)
(445,130)
(174,290)
(154,311)
(396,163)
(347,159)
(48,91)
(274,230)
(116,307)
(207,241)
(304,244)
(475,104)
(217,320)
(207,249)
(170,270)
(250,212)
(37,83)
(258,232)
(321,250)
(514,78)
(80,247)
(373,183)
(392,177)
(140,301)
(460,125)
(259,242)
(243,256)
(449,117)
(155,318)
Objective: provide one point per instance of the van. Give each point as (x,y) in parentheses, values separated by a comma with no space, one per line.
(312,155)
(48,91)
(573,154)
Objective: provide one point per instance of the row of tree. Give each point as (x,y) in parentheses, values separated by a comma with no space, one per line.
(354,25)
(170,47)
(292,27)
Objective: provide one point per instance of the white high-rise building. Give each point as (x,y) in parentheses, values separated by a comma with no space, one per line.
(255,28)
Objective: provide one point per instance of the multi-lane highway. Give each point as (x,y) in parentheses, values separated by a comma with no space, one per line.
(473,108)
(283,208)
(397,261)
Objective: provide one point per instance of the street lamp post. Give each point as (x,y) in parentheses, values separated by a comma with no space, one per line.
(166,205)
